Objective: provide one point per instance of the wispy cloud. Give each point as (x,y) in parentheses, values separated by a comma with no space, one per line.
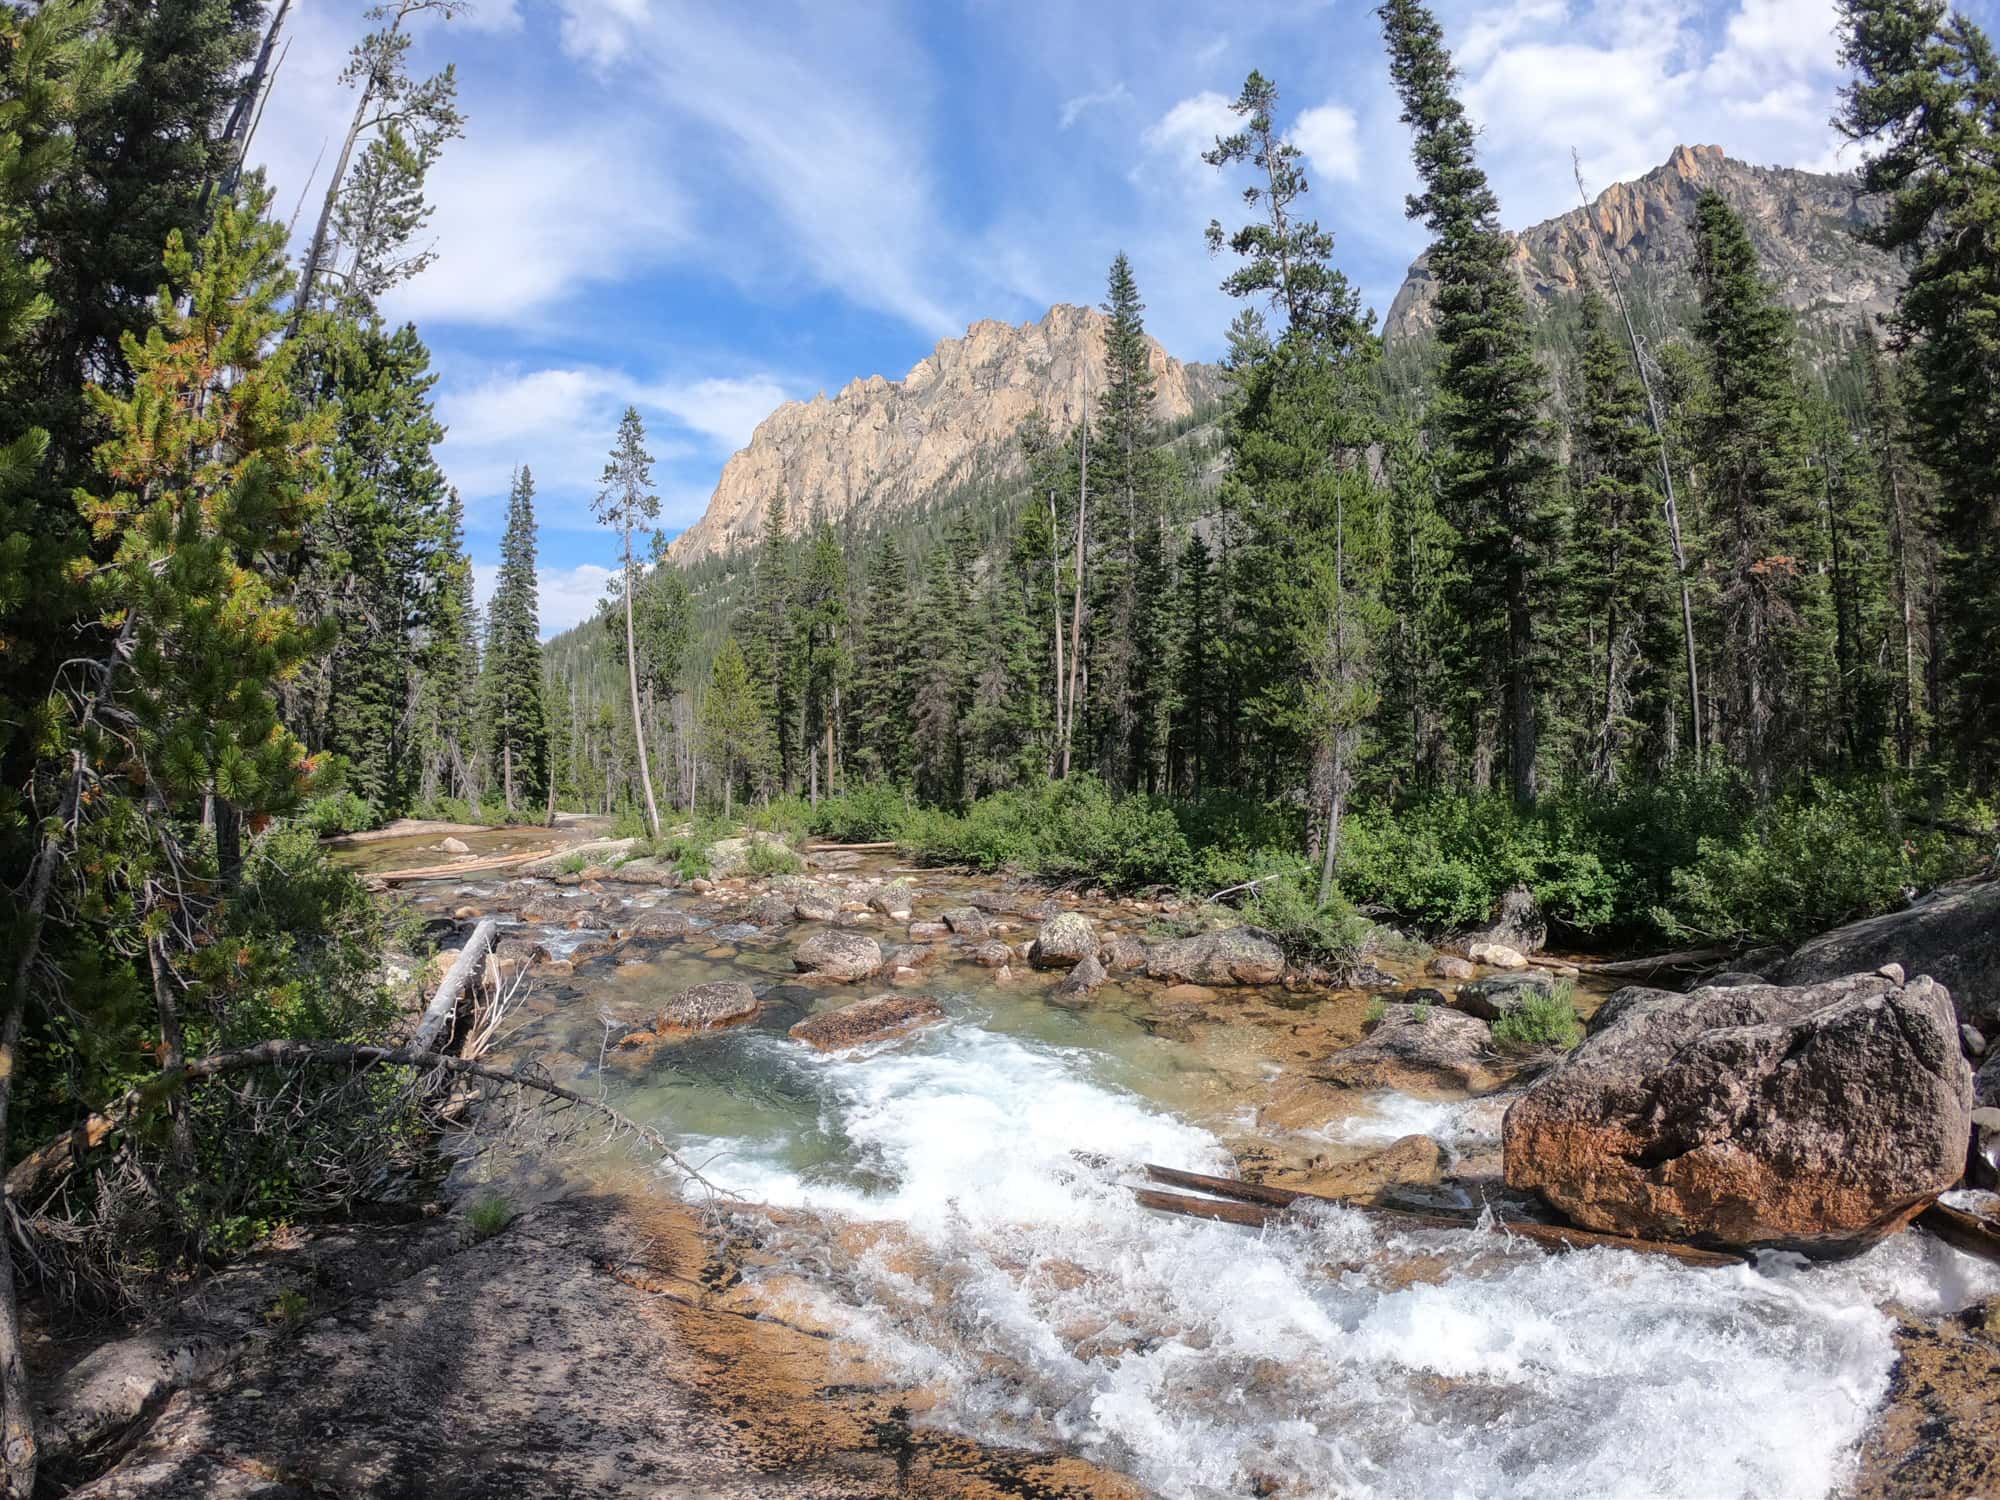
(1073,109)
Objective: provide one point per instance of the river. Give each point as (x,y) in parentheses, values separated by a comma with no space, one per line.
(959,1212)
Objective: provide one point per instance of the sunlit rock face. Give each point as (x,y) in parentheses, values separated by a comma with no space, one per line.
(1803,224)
(1817,1119)
(881,446)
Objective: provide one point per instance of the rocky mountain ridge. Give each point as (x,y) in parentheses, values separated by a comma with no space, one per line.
(1802,223)
(879,445)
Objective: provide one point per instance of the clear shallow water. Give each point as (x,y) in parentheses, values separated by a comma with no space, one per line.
(971,1227)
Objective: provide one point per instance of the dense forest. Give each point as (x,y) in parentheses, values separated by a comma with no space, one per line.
(1696,633)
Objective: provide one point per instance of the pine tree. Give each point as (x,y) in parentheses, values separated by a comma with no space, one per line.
(770,640)
(936,745)
(1423,652)
(1926,98)
(1196,699)
(1759,535)
(449,665)
(735,723)
(1307,583)
(878,745)
(512,689)
(1616,558)
(820,602)
(1497,473)
(626,503)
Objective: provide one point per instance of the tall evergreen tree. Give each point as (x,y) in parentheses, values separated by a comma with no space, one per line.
(877,745)
(1926,98)
(820,600)
(1759,534)
(1498,475)
(770,640)
(516,733)
(627,503)
(735,724)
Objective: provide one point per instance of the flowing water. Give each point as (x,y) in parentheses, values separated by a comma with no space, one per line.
(963,1213)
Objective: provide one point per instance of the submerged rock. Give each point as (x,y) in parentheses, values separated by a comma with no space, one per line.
(1415,1161)
(706,1007)
(968,922)
(1817,1119)
(660,922)
(1235,955)
(1953,936)
(1086,977)
(1418,1049)
(993,954)
(1065,940)
(875,1019)
(1444,966)
(455,846)
(838,954)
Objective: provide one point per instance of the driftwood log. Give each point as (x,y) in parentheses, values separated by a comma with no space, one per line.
(442,1012)
(1962,1231)
(1639,968)
(463,867)
(1255,1205)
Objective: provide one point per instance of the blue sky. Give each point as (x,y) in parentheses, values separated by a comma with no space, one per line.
(705,209)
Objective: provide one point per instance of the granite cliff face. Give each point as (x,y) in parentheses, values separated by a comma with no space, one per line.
(883,445)
(1802,223)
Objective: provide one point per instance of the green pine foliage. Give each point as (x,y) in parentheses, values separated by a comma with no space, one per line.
(511,691)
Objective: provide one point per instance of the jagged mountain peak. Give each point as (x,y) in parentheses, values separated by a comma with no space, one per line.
(880,445)
(1803,224)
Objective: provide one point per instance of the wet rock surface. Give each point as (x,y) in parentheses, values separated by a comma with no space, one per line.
(1816,1118)
(1065,940)
(1418,1049)
(839,955)
(1501,994)
(875,1019)
(1233,956)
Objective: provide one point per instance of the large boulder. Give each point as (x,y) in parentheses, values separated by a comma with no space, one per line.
(968,922)
(1419,1049)
(1066,940)
(1517,924)
(838,954)
(1235,955)
(1501,994)
(1954,936)
(1085,978)
(1817,1118)
(872,1020)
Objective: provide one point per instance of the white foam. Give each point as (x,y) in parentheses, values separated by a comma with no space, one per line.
(1051,1309)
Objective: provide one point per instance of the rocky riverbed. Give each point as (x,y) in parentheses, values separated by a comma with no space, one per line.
(924,1099)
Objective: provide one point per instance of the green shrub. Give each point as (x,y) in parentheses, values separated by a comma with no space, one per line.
(766,857)
(446,810)
(629,822)
(1058,832)
(487,1216)
(573,864)
(1307,931)
(1542,1019)
(1821,855)
(861,815)
(338,812)
(692,864)
(289,1307)
(791,818)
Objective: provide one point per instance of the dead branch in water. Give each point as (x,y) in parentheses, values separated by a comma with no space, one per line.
(36,1175)
(1248,885)
(1962,1231)
(1686,958)
(1258,1205)
(443,1009)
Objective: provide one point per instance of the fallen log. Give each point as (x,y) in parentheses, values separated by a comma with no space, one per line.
(462,867)
(1257,1204)
(1962,1231)
(443,1009)
(856,848)
(1686,958)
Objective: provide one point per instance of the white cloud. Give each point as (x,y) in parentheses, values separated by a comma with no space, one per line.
(565,596)
(1330,136)
(601,31)
(1211,51)
(496,16)
(1185,131)
(1073,108)
(561,422)
(521,224)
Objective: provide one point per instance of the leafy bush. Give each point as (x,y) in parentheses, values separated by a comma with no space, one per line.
(1307,931)
(1821,855)
(338,812)
(1058,831)
(446,810)
(860,815)
(791,818)
(573,864)
(629,822)
(1542,1019)
(767,857)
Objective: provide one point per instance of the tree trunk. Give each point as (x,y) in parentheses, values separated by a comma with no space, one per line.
(632,680)
(507,773)
(1055,593)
